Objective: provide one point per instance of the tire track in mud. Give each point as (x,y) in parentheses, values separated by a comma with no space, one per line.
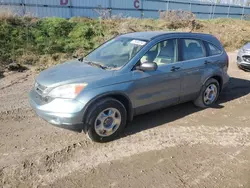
(17,114)
(18,81)
(14,90)
(84,156)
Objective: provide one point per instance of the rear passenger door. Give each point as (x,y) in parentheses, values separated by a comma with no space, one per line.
(193,56)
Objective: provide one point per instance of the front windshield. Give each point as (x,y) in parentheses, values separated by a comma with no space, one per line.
(116,52)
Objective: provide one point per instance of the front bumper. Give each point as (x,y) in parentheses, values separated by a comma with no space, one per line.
(241,62)
(64,113)
(244,66)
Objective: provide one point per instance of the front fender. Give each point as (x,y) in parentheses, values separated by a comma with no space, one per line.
(90,96)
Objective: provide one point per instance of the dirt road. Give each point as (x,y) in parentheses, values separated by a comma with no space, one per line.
(180,146)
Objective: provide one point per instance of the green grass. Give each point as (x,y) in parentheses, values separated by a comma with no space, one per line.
(47,41)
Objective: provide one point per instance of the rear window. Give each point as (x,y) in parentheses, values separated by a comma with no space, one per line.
(213,50)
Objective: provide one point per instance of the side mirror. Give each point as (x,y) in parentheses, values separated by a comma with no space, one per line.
(148,66)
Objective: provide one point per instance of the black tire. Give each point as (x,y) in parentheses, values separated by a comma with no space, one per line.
(96,109)
(200,100)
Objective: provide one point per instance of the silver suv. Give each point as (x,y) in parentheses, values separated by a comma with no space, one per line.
(243,57)
(129,75)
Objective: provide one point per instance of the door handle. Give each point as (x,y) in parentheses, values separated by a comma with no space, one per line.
(211,62)
(174,68)
(208,62)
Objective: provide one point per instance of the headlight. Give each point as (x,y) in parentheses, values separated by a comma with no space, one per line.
(69,91)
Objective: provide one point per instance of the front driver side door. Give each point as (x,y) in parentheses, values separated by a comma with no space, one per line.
(156,89)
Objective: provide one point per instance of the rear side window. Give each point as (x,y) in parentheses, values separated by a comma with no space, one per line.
(213,50)
(192,49)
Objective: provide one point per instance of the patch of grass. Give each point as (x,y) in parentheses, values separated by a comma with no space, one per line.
(232,33)
(47,41)
(45,61)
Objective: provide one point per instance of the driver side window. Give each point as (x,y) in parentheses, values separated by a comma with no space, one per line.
(162,53)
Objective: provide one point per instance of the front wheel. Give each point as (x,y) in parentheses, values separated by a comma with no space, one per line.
(209,94)
(106,120)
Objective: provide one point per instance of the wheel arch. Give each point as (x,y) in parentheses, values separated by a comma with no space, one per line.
(216,77)
(120,96)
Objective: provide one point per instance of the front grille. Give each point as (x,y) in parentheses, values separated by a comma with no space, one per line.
(246,58)
(39,88)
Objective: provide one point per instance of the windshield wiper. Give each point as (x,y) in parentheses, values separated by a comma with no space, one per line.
(95,64)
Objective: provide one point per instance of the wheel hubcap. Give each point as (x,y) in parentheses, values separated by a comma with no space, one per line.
(210,94)
(107,122)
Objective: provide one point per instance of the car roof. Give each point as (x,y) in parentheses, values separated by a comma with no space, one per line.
(150,35)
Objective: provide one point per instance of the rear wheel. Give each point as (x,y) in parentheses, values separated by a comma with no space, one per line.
(209,94)
(106,120)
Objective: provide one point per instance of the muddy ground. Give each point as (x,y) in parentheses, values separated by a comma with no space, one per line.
(180,146)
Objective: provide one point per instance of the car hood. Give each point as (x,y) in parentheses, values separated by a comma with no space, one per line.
(247,47)
(71,72)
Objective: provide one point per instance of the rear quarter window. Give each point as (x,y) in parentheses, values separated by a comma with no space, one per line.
(213,50)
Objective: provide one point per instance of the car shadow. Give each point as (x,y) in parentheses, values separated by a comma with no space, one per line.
(236,88)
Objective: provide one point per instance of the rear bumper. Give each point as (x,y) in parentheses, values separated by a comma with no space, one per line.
(62,113)
(226,79)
